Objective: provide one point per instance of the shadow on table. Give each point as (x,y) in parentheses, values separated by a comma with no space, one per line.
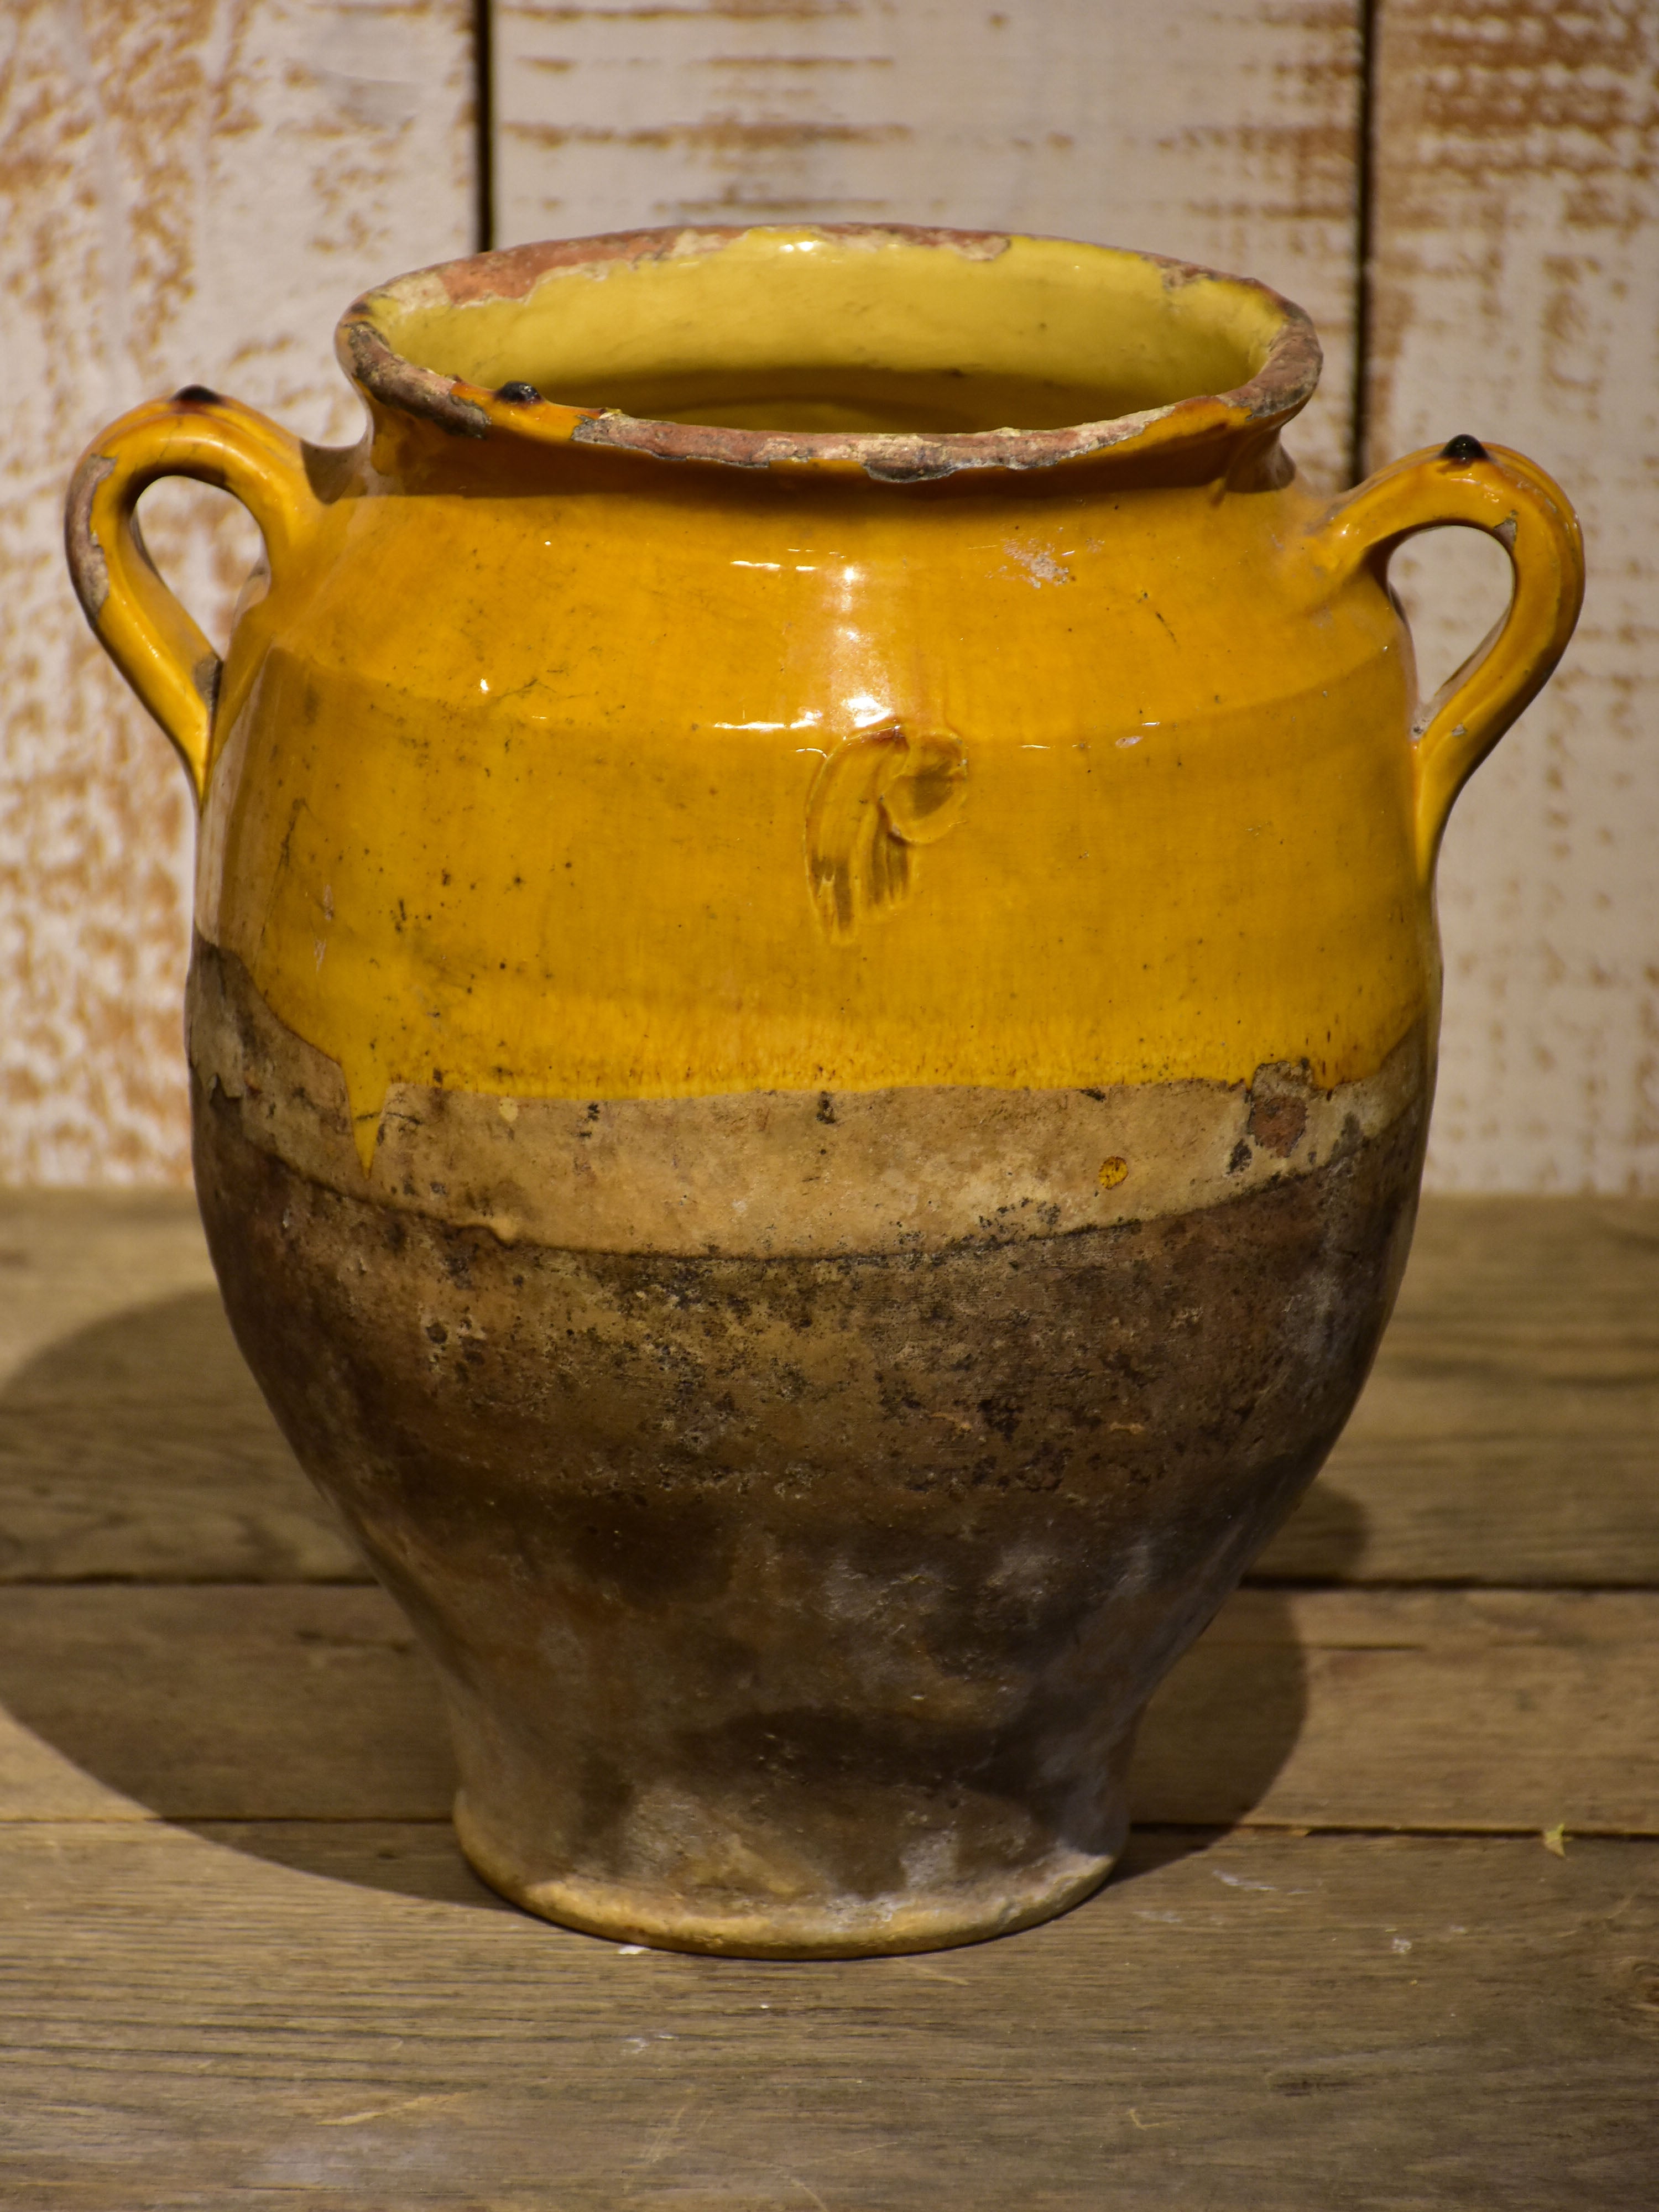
(139,1449)
(203,1643)
(1229,1714)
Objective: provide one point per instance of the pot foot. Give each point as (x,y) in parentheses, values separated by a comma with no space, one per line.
(725,1924)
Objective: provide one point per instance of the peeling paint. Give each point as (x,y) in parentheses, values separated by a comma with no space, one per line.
(1515,272)
(187,192)
(1223,137)
(1516,291)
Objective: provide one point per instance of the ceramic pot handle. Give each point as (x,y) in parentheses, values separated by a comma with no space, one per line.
(138,622)
(1478,488)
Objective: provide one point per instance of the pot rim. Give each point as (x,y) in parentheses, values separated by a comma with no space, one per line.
(1280,388)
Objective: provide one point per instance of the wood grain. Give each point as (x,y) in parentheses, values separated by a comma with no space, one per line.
(1225,133)
(191,191)
(1516,226)
(132,1439)
(1452,1712)
(1442,1711)
(1255,2022)
(224,1703)
(1510,1432)
(240,1956)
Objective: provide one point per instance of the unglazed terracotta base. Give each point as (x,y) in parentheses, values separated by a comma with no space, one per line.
(789,1599)
(707,1910)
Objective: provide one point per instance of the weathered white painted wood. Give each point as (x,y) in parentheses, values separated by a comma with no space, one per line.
(1224,131)
(1516,296)
(193,187)
(191,191)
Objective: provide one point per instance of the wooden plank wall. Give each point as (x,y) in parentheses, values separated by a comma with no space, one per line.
(1516,227)
(190,192)
(1226,134)
(194,187)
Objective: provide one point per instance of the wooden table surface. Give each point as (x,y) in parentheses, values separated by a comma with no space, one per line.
(1387,1936)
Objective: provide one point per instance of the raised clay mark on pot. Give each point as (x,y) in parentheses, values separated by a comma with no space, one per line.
(876,796)
(1278,1113)
(1035,566)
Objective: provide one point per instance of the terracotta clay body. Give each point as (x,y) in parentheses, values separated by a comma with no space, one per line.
(812,1021)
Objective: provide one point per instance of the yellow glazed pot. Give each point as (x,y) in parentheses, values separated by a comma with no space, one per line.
(812,1018)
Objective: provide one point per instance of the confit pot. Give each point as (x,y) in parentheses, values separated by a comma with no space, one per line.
(812,1018)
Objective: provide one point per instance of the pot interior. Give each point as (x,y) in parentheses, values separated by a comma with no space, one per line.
(858,331)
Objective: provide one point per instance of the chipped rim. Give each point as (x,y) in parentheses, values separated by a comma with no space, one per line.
(1280,389)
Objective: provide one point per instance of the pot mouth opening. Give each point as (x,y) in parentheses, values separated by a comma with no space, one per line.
(828,342)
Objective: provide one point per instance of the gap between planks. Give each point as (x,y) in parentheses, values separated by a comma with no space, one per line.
(1247,2019)
(1509,1435)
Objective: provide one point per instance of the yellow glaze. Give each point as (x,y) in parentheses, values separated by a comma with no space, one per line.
(856,743)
